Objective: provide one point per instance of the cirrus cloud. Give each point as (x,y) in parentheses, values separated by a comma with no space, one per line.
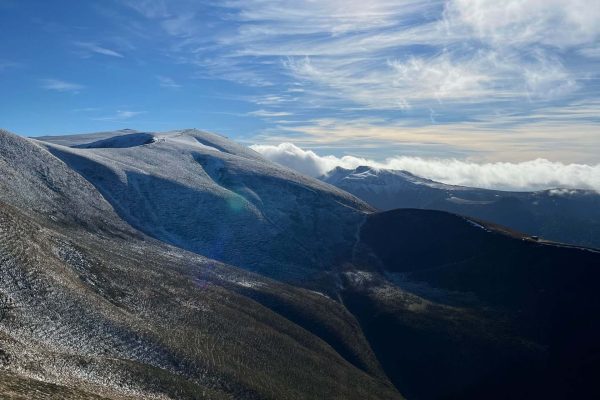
(91,47)
(61,86)
(436,69)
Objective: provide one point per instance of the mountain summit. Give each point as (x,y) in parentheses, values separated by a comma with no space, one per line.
(209,195)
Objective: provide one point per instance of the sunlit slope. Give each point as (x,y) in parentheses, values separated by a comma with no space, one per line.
(44,187)
(212,196)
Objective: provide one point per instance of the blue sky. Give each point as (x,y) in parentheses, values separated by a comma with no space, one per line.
(481,80)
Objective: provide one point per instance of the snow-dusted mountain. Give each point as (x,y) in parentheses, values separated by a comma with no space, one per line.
(101,297)
(207,194)
(92,309)
(563,215)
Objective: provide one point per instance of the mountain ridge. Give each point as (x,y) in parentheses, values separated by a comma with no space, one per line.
(216,184)
(327,298)
(561,215)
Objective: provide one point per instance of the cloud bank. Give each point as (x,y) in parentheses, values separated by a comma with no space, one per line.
(528,175)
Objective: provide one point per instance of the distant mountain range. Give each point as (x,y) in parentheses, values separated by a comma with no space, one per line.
(180,265)
(562,215)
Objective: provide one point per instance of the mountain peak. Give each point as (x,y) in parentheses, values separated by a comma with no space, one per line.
(207,194)
(364,168)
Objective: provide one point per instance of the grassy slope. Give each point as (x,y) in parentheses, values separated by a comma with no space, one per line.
(99,305)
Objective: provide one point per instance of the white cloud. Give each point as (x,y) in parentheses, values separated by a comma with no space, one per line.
(61,86)
(149,8)
(128,114)
(432,62)
(439,78)
(268,114)
(167,82)
(560,23)
(477,51)
(86,109)
(334,17)
(566,134)
(5,65)
(364,50)
(95,48)
(305,161)
(528,175)
(548,78)
(591,51)
(120,115)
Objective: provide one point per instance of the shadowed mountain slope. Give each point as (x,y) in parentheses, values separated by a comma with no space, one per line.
(482,311)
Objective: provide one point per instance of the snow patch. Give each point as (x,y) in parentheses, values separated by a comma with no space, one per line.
(562,192)
(475,224)
(458,200)
(248,284)
(188,141)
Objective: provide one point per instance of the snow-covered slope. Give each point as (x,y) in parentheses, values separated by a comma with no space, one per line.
(92,309)
(564,215)
(207,194)
(381,180)
(40,184)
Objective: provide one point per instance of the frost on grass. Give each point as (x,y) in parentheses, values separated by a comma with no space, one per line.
(204,193)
